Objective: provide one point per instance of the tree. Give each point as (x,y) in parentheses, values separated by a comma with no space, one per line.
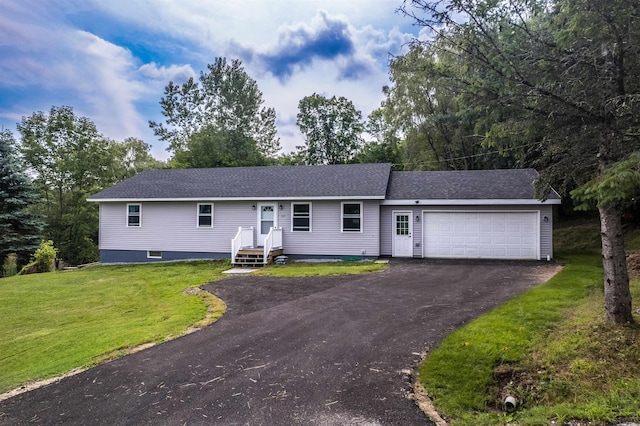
(70,160)
(332,129)
(213,147)
(563,74)
(385,148)
(132,156)
(20,231)
(441,131)
(225,99)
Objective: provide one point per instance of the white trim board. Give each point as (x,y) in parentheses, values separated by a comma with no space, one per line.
(249,199)
(469,202)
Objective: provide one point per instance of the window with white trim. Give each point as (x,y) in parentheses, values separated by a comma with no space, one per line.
(301,217)
(154,254)
(351,217)
(205,215)
(134,215)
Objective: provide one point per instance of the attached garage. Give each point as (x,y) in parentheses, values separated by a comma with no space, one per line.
(481,235)
(471,214)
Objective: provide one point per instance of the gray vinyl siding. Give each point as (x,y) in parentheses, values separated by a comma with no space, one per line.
(171,227)
(326,237)
(386,219)
(386,229)
(546,232)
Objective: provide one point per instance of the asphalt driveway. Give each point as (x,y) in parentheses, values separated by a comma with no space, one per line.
(311,351)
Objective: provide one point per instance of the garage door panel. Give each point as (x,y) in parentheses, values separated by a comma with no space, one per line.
(473,240)
(485,240)
(458,240)
(496,235)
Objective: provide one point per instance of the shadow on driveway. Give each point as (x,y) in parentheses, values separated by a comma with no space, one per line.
(308,351)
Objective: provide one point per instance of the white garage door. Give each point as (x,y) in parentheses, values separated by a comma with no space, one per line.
(481,235)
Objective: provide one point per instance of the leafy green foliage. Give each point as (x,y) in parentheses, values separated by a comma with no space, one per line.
(20,231)
(10,265)
(332,129)
(619,185)
(223,102)
(45,255)
(212,147)
(69,161)
(560,78)
(386,146)
(425,104)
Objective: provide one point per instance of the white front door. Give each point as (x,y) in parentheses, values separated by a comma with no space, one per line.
(402,234)
(267,218)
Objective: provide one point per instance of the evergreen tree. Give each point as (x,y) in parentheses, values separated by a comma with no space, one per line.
(19,229)
(560,77)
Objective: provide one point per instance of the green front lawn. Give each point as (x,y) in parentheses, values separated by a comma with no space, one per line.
(308,269)
(55,322)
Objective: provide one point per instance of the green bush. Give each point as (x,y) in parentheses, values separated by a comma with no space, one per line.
(44,256)
(42,260)
(10,265)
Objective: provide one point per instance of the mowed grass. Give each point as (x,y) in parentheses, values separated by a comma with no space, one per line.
(308,269)
(549,348)
(55,322)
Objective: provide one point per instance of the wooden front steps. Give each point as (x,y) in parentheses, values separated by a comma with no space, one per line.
(253,257)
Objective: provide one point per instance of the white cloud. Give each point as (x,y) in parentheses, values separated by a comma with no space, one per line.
(56,63)
(176,73)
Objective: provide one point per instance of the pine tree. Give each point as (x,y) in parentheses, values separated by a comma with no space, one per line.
(19,229)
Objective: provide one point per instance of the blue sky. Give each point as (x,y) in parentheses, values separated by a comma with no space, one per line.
(110,60)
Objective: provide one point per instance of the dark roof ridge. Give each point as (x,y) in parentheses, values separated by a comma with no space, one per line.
(255,182)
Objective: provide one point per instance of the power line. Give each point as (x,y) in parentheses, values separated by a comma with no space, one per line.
(474,155)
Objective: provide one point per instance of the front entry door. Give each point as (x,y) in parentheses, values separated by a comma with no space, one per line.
(267,218)
(402,234)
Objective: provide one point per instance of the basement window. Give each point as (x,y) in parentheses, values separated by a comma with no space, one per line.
(154,254)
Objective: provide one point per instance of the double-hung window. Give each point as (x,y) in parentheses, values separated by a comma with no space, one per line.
(205,215)
(351,217)
(301,217)
(134,215)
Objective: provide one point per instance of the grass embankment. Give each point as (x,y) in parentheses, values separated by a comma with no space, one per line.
(56,322)
(549,348)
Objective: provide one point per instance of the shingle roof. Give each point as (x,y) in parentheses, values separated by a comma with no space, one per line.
(346,180)
(464,185)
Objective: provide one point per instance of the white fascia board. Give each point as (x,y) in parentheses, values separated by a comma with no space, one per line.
(133,200)
(463,202)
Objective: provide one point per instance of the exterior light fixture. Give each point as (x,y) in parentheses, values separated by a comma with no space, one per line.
(417,218)
(253,207)
(546,218)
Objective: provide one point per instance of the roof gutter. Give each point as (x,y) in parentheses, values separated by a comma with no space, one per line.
(470,202)
(130,200)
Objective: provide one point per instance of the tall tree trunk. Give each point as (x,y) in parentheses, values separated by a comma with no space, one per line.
(617,297)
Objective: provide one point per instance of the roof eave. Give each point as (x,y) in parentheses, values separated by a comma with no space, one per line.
(469,202)
(314,198)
